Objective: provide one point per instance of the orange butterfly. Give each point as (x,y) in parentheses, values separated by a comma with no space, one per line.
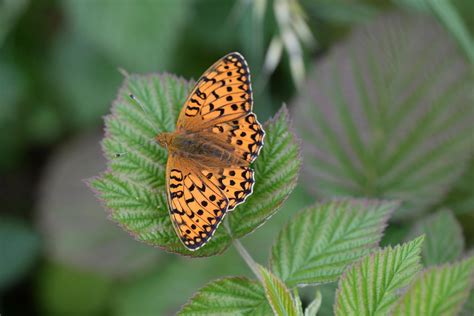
(217,137)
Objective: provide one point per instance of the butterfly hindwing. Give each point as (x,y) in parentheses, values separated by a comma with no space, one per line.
(245,135)
(235,182)
(223,93)
(197,205)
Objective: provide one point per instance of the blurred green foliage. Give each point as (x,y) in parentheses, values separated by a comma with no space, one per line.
(139,38)
(392,124)
(9,12)
(86,294)
(59,62)
(19,247)
(74,229)
(444,242)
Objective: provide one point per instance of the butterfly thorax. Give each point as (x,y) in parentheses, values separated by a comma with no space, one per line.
(201,148)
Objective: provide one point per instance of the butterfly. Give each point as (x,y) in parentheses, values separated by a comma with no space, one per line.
(217,137)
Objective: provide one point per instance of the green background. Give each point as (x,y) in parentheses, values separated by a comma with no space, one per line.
(59,72)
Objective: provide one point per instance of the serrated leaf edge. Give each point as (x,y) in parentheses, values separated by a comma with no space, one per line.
(322,203)
(419,240)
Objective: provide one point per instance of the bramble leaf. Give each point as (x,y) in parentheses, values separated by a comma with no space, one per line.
(372,285)
(328,293)
(133,187)
(138,296)
(444,241)
(461,197)
(438,290)
(317,245)
(388,114)
(468,307)
(278,295)
(314,306)
(229,296)
(452,20)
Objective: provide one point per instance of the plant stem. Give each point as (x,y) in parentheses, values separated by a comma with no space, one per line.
(248,259)
(244,254)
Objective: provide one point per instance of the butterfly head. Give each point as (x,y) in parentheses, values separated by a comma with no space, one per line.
(165,139)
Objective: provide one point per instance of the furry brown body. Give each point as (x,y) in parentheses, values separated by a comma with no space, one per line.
(207,150)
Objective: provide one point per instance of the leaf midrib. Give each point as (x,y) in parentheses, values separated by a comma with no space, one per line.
(328,245)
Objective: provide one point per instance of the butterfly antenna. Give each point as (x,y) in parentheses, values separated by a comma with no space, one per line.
(118,155)
(146,112)
(134,98)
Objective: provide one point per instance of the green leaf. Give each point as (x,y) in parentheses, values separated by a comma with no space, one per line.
(456,15)
(461,197)
(18,249)
(465,9)
(444,241)
(276,172)
(317,245)
(313,307)
(438,290)
(451,19)
(413,5)
(297,301)
(388,114)
(278,295)
(133,188)
(229,296)
(450,13)
(138,295)
(72,223)
(328,292)
(468,308)
(373,285)
(264,237)
(134,35)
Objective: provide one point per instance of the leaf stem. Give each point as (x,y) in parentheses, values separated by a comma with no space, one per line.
(244,253)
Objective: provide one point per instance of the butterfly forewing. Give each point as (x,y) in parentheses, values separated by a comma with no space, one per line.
(223,93)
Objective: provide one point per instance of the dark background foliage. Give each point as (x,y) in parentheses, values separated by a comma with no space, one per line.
(59,62)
